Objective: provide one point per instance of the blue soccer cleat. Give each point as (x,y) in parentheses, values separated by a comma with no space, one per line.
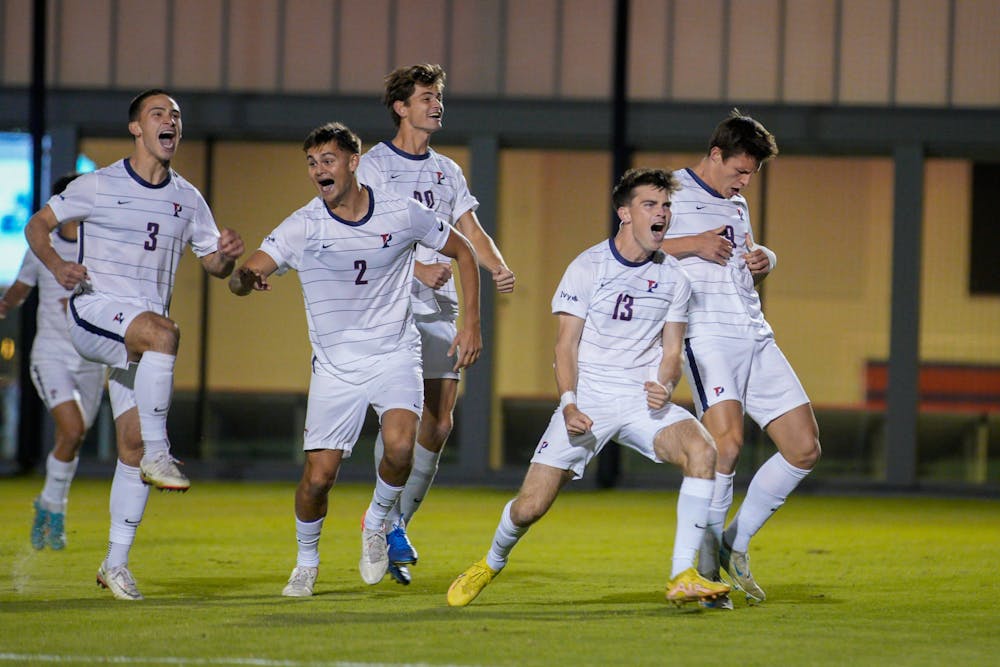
(401,551)
(400,574)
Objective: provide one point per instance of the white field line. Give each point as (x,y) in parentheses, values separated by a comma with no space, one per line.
(30,658)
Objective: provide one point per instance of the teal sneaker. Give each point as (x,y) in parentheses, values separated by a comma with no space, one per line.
(56,537)
(39,525)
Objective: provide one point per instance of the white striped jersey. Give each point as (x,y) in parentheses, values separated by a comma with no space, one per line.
(624,306)
(356,276)
(132,233)
(438,183)
(723,299)
(52,331)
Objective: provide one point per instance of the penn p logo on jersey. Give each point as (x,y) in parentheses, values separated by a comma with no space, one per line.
(652,285)
(440,177)
(177,209)
(385,240)
(119,318)
(718,390)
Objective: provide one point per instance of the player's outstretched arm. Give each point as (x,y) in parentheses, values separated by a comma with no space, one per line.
(40,226)
(252,276)
(486,251)
(14,297)
(469,342)
(221,262)
(711,246)
(567,355)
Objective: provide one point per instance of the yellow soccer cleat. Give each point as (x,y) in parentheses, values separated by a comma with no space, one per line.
(470,583)
(689,586)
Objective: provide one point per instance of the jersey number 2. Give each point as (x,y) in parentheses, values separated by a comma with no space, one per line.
(361,265)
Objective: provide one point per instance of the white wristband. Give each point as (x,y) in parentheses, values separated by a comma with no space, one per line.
(567,398)
(772,259)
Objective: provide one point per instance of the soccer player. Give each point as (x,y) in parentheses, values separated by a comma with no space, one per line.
(353,247)
(136,217)
(731,359)
(70,386)
(408,167)
(622,307)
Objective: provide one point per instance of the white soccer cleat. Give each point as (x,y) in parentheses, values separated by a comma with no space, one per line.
(119,581)
(161,471)
(374,561)
(300,584)
(737,566)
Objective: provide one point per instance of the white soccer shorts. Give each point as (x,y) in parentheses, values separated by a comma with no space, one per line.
(624,418)
(335,411)
(60,380)
(98,326)
(753,372)
(436,337)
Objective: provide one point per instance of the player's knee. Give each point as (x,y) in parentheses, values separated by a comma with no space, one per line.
(397,458)
(167,337)
(700,458)
(526,511)
(807,456)
(71,434)
(728,446)
(439,433)
(317,484)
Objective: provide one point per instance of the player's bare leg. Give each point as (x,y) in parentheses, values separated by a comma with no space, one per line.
(60,467)
(312,498)
(436,422)
(399,433)
(538,492)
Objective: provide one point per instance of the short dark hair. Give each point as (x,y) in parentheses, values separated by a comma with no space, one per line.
(741,134)
(623,191)
(63,181)
(337,133)
(135,106)
(401,82)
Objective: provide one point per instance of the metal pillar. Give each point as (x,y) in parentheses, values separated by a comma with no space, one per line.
(904,335)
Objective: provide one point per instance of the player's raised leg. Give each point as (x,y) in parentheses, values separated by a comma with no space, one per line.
(154,340)
(539,490)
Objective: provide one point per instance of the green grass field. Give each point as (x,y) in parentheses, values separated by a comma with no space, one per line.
(851,581)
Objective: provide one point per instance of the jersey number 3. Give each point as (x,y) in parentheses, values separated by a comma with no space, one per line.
(153,228)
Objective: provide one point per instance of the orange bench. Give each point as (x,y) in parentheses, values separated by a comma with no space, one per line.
(942,387)
(948,388)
